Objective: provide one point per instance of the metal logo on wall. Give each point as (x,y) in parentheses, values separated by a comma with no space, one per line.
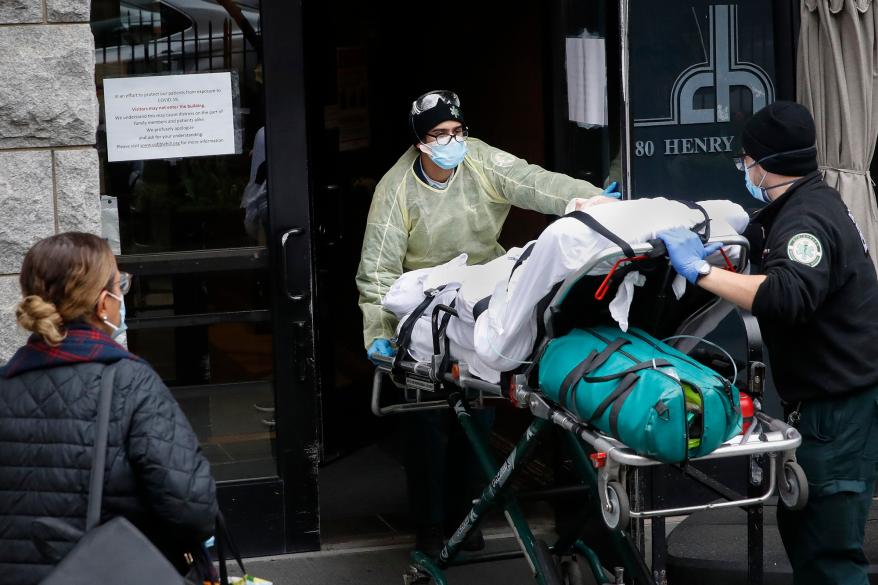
(723,70)
(692,88)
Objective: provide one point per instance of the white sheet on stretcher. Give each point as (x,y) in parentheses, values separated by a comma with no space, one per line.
(504,335)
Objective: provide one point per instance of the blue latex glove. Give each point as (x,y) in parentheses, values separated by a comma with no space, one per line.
(686,251)
(612,190)
(380,347)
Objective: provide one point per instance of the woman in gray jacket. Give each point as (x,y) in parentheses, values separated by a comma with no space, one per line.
(156,476)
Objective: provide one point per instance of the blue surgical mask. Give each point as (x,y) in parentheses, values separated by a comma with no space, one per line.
(121,327)
(757,192)
(447,156)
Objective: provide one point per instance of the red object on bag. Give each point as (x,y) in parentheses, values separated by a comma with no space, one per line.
(747,411)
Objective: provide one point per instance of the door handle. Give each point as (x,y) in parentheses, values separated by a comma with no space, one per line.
(298,295)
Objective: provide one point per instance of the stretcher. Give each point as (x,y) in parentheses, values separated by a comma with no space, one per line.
(604,465)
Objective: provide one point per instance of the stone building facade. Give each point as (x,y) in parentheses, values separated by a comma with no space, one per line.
(49,174)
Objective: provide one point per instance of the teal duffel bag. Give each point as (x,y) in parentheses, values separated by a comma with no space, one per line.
(655,399)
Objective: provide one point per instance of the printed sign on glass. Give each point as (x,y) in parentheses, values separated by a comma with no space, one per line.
(169,116)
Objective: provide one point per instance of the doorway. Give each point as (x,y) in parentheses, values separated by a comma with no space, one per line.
(366,64)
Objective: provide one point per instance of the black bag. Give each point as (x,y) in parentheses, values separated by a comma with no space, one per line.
(115,552)
(201,567)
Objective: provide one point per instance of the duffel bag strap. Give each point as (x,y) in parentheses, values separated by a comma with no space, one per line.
(624,388)
(650,365)
(628,383)
(574,376)
(608,352)
(593,361)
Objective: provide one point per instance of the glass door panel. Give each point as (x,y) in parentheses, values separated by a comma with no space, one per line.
(200,309)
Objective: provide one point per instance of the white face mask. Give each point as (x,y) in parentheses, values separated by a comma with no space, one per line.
(121,327)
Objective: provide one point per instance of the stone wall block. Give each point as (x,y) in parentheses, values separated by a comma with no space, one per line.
(21,11)
(11,335)
(68,10)
(26,205)
(77,190)
(47,88)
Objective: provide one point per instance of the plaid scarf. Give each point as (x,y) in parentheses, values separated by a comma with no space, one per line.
(84,343)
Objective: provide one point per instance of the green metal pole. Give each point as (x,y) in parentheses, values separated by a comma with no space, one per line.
(498,482)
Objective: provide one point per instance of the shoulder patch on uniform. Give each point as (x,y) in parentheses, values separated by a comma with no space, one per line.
(502,159)
(805,249)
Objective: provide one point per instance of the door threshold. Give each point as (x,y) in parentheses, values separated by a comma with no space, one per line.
(402,541)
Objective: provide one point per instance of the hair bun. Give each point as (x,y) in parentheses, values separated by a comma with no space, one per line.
(41,317)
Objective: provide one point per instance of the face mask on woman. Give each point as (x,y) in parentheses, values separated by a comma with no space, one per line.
(121,327)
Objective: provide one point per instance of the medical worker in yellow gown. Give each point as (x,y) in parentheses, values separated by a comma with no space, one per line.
(447,194)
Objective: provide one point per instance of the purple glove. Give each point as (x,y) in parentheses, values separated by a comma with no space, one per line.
(686,251)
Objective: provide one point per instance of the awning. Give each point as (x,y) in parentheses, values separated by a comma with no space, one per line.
(837,60)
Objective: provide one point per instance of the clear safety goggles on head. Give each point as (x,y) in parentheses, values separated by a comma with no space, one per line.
(742,166)
(429,100)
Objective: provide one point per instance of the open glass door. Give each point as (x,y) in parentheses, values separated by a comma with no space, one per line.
(208,308)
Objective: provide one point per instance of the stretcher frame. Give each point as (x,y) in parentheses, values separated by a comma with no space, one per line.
(603,474)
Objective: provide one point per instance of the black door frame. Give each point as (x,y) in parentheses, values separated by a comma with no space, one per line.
(291,252)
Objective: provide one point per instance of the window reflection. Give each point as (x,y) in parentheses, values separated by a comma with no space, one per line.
(192,203)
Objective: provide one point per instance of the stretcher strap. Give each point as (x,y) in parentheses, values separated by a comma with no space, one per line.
(602,230)
(481,307)
(440,336)
(405,332)
(702,225)
(440,331)
(525,254)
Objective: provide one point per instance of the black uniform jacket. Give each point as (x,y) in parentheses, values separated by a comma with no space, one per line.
(818,308)
(155,476)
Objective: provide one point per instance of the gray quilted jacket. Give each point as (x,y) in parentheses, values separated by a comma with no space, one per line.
(156,476)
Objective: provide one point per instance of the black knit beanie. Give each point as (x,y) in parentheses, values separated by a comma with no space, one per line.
(422,121)
(781,138)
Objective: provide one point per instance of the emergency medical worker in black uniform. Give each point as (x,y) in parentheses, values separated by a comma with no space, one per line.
(816,301)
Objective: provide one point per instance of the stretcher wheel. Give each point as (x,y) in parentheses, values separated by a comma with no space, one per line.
(792,486)
(545,564)
(617,515)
